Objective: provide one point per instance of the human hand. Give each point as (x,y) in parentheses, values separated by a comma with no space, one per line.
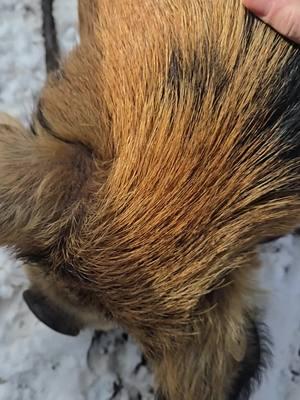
(282,15)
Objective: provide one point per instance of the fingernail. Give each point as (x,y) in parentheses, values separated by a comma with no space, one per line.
(259,7)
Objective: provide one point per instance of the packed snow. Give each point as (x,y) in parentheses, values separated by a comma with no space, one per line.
(38,364)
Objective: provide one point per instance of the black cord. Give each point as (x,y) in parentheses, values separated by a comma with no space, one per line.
(50,36)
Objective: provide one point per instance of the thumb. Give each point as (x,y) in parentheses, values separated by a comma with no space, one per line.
(282,15)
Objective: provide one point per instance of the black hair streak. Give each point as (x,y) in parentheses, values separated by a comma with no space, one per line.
(194,75)
(159,396)
(284,98)
(258,358)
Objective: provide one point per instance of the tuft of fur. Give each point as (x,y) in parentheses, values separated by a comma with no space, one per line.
(162,152)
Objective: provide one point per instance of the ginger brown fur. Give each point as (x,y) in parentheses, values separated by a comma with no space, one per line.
(157,164)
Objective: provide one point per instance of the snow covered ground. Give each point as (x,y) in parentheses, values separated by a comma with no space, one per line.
(38,364)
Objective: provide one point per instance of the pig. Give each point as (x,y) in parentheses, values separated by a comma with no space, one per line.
(161,153)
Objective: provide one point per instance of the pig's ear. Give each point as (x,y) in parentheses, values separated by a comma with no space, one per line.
(88,11)
(51,314)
